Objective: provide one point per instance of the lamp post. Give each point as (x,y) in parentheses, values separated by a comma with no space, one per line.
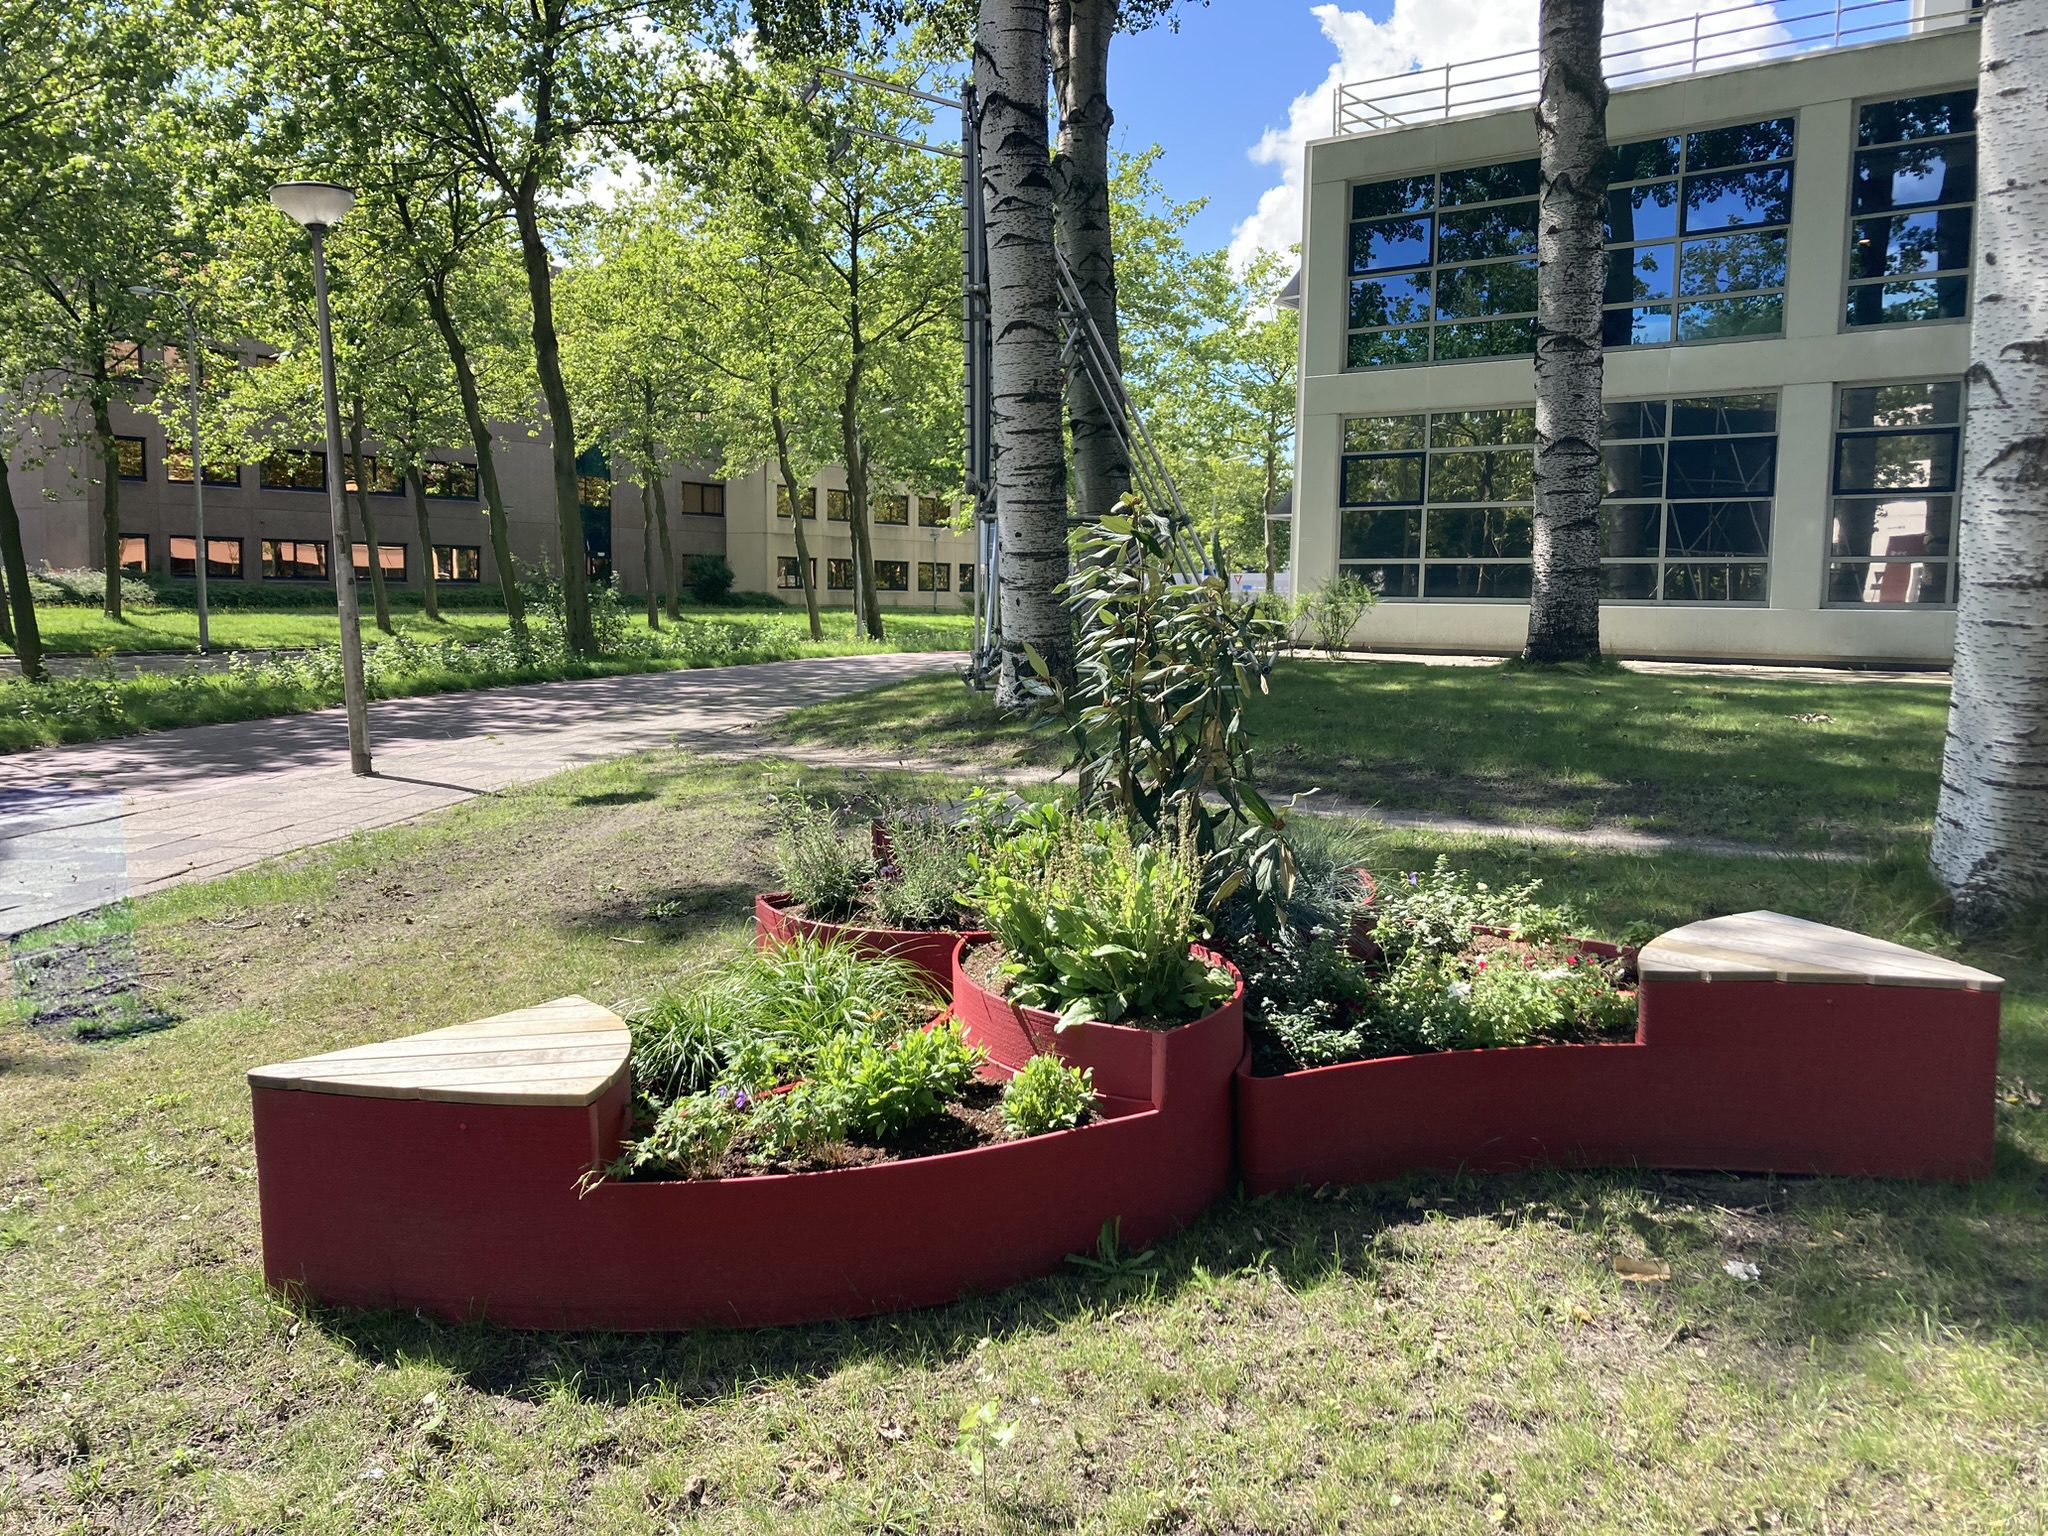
(318,206)
(199,546)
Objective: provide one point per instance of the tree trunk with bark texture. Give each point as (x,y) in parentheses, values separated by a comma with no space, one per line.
(27,634)
(429,582)
(363,515)
(647,481)
(668,553)
(1991,825)
(6,607)
(1571,129)
(1030,469)
(804,564)
(110,504)
(869,600)
(547,360)
(1081,31)
(486,462)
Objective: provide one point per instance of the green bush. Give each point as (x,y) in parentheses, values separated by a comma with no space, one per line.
(1096,925)
(711,579)
(1333,610)
(823,865)
(1047,1095)
(927,870)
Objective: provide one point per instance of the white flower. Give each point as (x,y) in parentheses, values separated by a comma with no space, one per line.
(1460,990)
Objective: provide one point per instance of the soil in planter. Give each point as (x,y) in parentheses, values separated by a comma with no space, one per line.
(863,915)
(984,967)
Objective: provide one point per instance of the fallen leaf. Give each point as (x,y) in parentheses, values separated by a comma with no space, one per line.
(1580,1314)
(1641,1271)
(1742,1270)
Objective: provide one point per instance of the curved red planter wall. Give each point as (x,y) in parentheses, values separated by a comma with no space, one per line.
(929,949)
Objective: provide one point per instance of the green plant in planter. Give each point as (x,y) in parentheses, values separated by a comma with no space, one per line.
(1096,925)
(927,867)
(1048,1095)
(823,866)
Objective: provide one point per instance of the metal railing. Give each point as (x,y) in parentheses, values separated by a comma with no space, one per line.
(1714,39)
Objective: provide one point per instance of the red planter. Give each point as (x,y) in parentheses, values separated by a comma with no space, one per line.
(1185,1072)
(929,949)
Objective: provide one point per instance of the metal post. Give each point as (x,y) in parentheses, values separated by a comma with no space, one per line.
(343,557)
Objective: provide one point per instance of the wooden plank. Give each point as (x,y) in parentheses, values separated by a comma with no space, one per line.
(1769,946)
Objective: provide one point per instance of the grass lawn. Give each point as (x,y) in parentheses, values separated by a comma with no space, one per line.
(1790,763)
(1443,1355)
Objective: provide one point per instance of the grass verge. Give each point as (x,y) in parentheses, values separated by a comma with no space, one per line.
(1440,1355)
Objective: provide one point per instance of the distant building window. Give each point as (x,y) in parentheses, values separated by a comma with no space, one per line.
(893,510)
(294,560)
(594,490)
(223,557)
(789,575)
(124,357)
(966,576)
(457,482)
(836,507)
(1892,527)
(295,469)
(390,556)
(1691,484)
(892,575)
(810,503)
(1912,201)
(135,553)
(458,563)
(383,477)
(178,468)
(839,575)
(699,500)
(132,453)
(933,513)
(934,576)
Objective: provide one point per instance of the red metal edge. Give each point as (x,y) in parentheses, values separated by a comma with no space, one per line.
(929,949)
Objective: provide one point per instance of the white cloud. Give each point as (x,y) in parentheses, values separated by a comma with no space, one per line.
(1419,34)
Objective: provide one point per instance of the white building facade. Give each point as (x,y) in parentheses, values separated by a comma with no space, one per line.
(1788,301)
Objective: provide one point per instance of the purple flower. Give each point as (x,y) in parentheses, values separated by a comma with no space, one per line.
(739,1098)
(1411,877)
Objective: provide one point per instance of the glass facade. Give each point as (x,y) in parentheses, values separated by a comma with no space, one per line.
(294,560)
(1912,196)
(1691,486)
(1439,506)
(295,469)
(934,576)
(462,564)
(223,557)
(1892,521)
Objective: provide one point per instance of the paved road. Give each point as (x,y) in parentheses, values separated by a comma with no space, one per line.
(83,826)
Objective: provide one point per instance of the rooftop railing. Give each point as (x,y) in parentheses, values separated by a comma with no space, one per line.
(1714,39)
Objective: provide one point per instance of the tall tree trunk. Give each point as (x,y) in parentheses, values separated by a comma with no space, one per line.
(804,572)
(547,362)
(1989,847)
(1571,130)
(28,635)
(363,515)
(486,461)
(1030,470)
(429,582)
(1081,31)
(668,553)
(647,482)
(110,504)
(6,607)
(856,455)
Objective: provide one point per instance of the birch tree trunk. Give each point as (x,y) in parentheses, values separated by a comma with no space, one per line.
(1991,826)
(647,481)
(486,461)
(805,565)
(668,553)
(547,362)
(1081,31)
(1030,460)
(1571,130)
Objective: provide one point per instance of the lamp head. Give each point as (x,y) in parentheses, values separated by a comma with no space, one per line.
(317,205)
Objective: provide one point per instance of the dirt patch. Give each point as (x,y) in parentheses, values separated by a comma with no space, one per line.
(88,988)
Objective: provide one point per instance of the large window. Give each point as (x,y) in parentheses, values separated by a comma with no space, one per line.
(892,510)
(389,556)
(966,575)
(810,503)
(789,575)
(933,513)
(700,500)
(457,482)
(132,453)
(1442,506)
(135,553)
(178,468)
(223,557)
(934,576)
(461,564)
(1696,231)
(295,469)
(383,476)
(1443,266)
(1891,534)
(294,560)
(1911,200)
(839,575)
(836,507)
(1690,488)
(892,575)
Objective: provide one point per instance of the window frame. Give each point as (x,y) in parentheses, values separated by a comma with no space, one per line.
(1950,563)
(359,557)
(129,567)
(171,557)
(266,558)
(892,575)
(123,442)
(940,573)
(1965,274)
(290,456)
(835,567)
(789,575)
(453,551)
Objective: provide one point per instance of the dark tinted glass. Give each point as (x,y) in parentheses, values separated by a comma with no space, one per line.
(1709,415)
(1483,475)
(1639,272)
(1633,418)
(1478,581)
(1721,319)
(1635,328)
(1915,176)
(1480,533)
(1714,583)
(1390,243)
(1901,405)
(1632,469)
(1393,534)
(1626,582)
(1642,213)
(1397,300)
(1477,233)
(1937,298)
(1725,467)
(1478,429)
(1383,347)
(1640,162)
(1404,194)
(1489,183)
(1732,264)
(1387,580)
(1885,461)
(1917,117)
(1497,338)
(1629,529)
(1718,528)
(1742,144)
(1503,288)
(1910,243)
(1737,199)
(1396,478)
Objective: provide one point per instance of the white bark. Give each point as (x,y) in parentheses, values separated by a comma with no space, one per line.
(1010,76)
(1571,129)
(1991,829)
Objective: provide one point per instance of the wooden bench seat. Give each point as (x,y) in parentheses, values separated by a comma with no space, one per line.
(1769,946)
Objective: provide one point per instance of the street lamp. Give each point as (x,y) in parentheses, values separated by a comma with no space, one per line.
(319,206)
(146,291)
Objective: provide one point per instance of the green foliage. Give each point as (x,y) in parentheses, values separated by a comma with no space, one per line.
(1333,610)
(887,1090)
(1048,1095)
(1094,924)
(928,867)
(823,865)
(1165,668)
(1436,913)
(711,579)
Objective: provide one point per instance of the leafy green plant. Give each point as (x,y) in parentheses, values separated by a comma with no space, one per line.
(1438,911)
(983,1432)
(1333,610)
(927,867)
(822,865)
(1048,1095)
(711,579)
(1094,924)
(888,1089)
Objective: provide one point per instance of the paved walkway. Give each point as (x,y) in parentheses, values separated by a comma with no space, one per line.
(82,826)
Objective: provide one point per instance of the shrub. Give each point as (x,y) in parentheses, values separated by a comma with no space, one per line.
(1333,610)
(927,869)
(1047,1095)
(711,579)
(883,1091)
(824,868)
(1096,925)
